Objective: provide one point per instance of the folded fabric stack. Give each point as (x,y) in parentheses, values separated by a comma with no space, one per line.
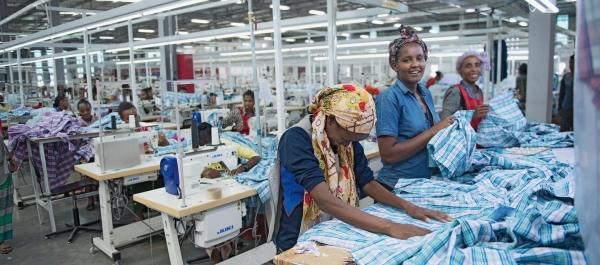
(60,156)
(505,126)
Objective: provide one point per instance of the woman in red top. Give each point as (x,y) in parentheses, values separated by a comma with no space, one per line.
(248,111)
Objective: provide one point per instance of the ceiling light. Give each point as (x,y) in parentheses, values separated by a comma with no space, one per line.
(146,30)
(111,29)
(245,44)
(267,38)
(377,22)
(383,15)
(512,20)
(417,28)
(188,47)
(457,6)
(200,21)
(523,24)
(397,25)
(245,37)
(470,10)
(182,32)
(290,40)
(518,52)
(537,5)
(139,38)
(346,34)
(264,45)
(140,61)
(394,18)
(239,2)
(171,6)
(518,58)
(309,41)
(22,35)
(360,8)
(237,24)
(364,36)
(317,12)
(106,38)
(434,31)
(350,21)
(440,38)
(281,7)
(550,5)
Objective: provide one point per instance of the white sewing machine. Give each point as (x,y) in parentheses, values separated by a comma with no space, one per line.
(221,113)
(124,150)
(297,97)
(148,105)
(268,123)
(185,112)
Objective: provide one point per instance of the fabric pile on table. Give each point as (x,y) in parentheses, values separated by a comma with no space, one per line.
(60,156)
(521,216)
(21,111)
(505,126)
(105,121)
(182,98)
(172,147)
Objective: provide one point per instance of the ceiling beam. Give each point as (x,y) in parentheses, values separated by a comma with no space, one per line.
(66,9)
(22,11)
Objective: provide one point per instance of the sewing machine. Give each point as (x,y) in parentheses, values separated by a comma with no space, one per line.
(268,123)
(297,97)
(185,112)
(193,165)
(221,113)
(146,105)
(124,150)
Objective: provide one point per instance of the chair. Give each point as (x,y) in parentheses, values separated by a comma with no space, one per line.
(76,226)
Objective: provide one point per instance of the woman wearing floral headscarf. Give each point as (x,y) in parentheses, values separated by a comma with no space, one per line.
(406,116)
(322,164)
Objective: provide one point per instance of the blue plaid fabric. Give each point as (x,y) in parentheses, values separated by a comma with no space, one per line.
(505,126)
(106,121)
(500,217)
(182,98)
(453,147)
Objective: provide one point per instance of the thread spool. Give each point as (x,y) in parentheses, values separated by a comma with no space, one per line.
(213,193)
(214,131)
(131,121)
(113,122)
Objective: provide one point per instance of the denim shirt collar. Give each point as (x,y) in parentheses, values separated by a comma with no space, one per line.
(405,89)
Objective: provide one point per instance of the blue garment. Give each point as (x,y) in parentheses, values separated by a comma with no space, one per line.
(400,115)
(565,99)
(58,109)
(300,171)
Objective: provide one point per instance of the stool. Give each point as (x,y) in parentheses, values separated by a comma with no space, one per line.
(76,227)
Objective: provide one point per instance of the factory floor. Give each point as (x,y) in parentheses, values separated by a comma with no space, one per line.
(30,245)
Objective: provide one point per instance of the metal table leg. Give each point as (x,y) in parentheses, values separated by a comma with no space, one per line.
(36,190)
(47,188)
(105,243)
(172,240)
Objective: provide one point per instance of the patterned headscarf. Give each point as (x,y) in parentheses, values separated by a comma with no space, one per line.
(482,56)
(354,110)
(407,35)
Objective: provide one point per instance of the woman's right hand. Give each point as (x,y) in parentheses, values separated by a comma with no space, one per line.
(481,110)
(210,174)
(406,231)
(443,123)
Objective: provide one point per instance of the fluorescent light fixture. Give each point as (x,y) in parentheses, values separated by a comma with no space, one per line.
(397,25)
(417,28)
(377,22)
(309,41)
(139,38)
(441,38)
(106,37)
(245,37)
(470,10)
(66,33)
(140,61)
(281,7)
(146,30)
(449,54)
(264,45)
(111,29)
(182,32)
(290,40)
(239,2)
(362,56)
(383,15)
(188,47)
(306,48)
(364,36)
(394,18)
(550,5)
(523,24)
(537,5)
(518,58)
(174,5)
(200,21)
(518,52)
(350,21)
(360,8)
(434,31)
(268,38)
(512,20)
(245,44)
(245,53)
(362,44)
(75,55)
(346,34)
(113,21)
(316,12)
(237,24)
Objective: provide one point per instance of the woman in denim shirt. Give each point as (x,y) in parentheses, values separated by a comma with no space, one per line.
(406,118)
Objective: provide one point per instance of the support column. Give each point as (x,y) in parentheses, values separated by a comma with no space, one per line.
(331,43)
(5,38)
(59,67)
(278,71)
(540,67)
(489,48)
(132,73)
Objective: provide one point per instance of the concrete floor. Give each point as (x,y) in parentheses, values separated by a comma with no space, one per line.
(31,247)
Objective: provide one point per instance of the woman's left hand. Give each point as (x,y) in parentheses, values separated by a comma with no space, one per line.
(517,95)
(236,171)
(425,214)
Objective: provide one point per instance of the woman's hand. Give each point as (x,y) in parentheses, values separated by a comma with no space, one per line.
(406,231)
(238,170)
(210,174)
(425,214)
(443,123)
(517,95)
(481,111)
